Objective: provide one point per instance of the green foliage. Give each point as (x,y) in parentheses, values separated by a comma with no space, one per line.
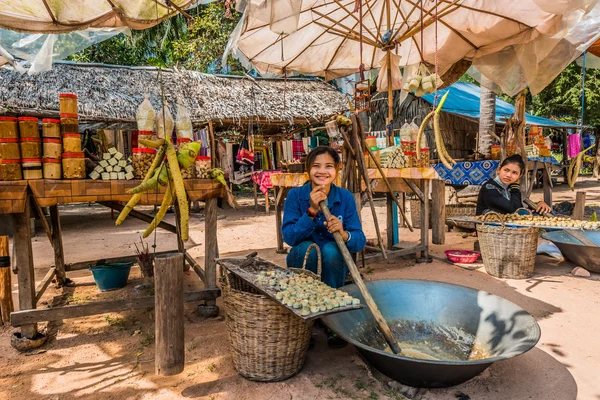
(206,39)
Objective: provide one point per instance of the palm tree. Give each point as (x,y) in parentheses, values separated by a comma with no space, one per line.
(487,115)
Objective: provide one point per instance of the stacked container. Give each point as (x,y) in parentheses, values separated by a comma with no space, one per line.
(52,148)
(10,152)
(73,160)
(31,147)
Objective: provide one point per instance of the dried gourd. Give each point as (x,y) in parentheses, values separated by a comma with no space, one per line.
(145,115)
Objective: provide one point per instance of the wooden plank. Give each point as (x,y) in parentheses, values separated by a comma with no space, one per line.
(85,264)
(397,253)
(195,266)
(138,215)
(579,209)
(532,181)
(210,240)
(438,211)
(413,186)
(168,311)
(24,260)
(42,217)
(425,220)
(57,245)
(43,285)
(21,318)
(581,237)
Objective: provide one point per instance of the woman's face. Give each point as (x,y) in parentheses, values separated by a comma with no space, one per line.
(323,171)
(509,174)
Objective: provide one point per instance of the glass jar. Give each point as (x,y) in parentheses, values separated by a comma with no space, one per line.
(28,127)
(73,165)
(144,135)
(10,149)
(410,159)
(32,168)
(182,142)
(495,152)
(8,128)
(51,128)
(52,168)
(405,146)
(142,160)
(69,123)
(52,148)
(31,147)
(10,170)
(71,142)
(68,103)
(424,160)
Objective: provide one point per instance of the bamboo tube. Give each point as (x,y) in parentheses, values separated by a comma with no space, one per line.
(381,323)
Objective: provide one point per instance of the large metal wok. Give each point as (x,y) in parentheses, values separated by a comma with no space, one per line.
(587,257)
(438,319)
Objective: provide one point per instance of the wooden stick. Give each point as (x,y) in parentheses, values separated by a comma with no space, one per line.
(383,326)
(363,169)
(6,300)
(581,237)
(168,303)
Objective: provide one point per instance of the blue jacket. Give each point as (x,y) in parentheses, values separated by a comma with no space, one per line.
(298,227)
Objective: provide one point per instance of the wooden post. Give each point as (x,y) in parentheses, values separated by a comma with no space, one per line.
(391,227)
(255,195)
(6,301)
(168,309)
(425,222)
(267,202)
(280,194)
(59,255)
(438,211)
(210,248)
(547,184)
(212,145)
(579,209)
(26,278)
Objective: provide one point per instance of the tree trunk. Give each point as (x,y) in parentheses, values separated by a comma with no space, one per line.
(487,115)
(6,300)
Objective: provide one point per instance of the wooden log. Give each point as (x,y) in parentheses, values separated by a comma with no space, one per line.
(57,246)
(41,288)
(19,318)
(168,310)
(381,323)
(579,209)
(24,260)
(413,186)
(210,240)
(6,300)
(438,211)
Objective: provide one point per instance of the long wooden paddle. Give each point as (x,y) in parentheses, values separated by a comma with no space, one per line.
(383,326)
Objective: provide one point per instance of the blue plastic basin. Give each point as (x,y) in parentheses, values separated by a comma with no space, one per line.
(111,276)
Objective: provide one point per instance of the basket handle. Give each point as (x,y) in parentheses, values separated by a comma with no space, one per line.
(319,266)
(524,209)
(498,217)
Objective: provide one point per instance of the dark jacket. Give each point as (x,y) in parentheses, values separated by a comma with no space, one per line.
(298,227)
(492,197)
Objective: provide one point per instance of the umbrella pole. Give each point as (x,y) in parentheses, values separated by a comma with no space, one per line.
(390,118)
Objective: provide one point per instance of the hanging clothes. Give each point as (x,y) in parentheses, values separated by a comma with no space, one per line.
(574,145)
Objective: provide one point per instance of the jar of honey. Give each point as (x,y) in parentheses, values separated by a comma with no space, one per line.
(52,168)
(71,142)
(10,149)
(69,123)
(32,168)
(51,128)
(68,103)
(8,128)
(31,147)
(73,165)
(28,127)
(52,148)
(10,170)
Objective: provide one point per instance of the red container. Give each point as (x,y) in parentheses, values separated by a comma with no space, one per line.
(462,256)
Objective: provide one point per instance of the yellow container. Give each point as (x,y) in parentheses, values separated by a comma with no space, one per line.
(73,165)
(52,168)
(495,151)
(32,168)
(10,149)
(68,103)
(31,147)
(51,128)
(10,170)
(28,127)
(69,123)
(71,142)
(52,148)
(9,128)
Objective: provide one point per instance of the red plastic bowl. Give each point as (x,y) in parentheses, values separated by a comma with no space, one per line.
(462,256)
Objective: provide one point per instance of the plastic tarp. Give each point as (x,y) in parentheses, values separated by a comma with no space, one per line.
(464,100)
(70,15)
(514,43)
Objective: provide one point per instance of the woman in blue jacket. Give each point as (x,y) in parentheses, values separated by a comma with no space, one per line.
(304,223)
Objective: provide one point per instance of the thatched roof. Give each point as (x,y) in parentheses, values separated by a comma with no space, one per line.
(112,94)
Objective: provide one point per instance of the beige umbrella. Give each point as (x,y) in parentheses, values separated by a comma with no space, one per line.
(332,38)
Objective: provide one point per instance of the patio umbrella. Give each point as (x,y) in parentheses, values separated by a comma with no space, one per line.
(333,38)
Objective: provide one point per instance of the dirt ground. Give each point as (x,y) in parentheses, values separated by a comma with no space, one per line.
(111,356)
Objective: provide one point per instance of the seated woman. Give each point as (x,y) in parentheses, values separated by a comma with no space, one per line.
(502,194)
(304,223)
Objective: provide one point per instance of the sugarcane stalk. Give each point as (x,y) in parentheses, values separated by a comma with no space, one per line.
(167,200)
(383,326)
(137,197)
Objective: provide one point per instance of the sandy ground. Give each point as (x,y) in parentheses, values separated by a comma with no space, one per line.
(111,356)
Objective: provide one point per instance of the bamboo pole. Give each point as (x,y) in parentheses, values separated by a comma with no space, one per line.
(383,326)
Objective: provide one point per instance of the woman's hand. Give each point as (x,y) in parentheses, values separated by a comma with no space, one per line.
(543,208)
(333,225)
(317,196)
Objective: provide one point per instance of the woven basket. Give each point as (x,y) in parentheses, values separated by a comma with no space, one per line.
(452,210)
(268,342)
(507,252)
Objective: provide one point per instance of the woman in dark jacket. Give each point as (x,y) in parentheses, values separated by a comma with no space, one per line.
(503,194)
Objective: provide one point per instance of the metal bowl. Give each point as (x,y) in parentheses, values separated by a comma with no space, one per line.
(444,318)
(585,256)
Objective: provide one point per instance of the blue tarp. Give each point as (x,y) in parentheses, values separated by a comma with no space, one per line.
(464,100)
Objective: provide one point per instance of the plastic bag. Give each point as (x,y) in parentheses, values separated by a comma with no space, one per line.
(164,124)
(414,132)
(183,122)
(382,80)
(145,115)
(405,132)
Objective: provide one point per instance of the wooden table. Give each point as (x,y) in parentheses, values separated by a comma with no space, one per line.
(20,199)
(416,180)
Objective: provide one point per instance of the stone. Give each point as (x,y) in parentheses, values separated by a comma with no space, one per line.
(581,272)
